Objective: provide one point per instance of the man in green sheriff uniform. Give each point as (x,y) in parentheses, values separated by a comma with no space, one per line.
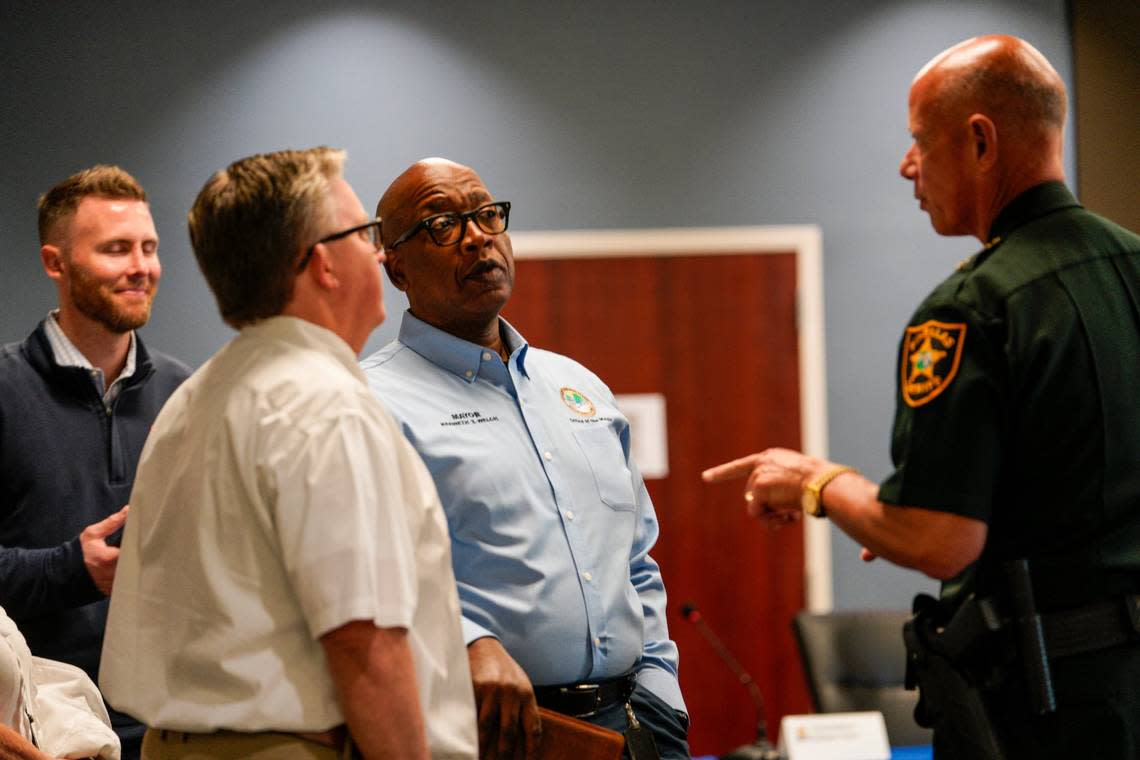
(1017,435)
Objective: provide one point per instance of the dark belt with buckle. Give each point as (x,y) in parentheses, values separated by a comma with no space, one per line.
(581,700)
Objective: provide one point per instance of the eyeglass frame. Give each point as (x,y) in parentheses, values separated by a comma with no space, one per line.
(374,224)
(464,217)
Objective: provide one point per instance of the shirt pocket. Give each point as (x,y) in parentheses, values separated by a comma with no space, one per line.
(603,452)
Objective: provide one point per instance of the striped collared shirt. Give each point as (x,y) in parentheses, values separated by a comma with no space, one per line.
(67,355)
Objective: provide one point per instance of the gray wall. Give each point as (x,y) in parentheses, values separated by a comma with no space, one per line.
(586,114)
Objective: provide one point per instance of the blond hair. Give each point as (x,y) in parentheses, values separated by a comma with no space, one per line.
(253,220)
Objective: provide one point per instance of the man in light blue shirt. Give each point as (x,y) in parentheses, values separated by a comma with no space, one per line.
(550,521)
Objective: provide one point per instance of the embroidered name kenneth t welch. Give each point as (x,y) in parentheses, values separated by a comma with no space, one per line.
(467,418)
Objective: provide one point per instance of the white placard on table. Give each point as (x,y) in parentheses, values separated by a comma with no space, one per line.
(835,736)
(647,432)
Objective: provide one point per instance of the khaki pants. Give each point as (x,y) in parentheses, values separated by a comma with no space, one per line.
(232,745)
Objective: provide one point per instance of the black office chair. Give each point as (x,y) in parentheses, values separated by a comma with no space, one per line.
(856,661)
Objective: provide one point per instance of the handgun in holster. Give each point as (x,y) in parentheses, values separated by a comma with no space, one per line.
(978,648)
(950,696)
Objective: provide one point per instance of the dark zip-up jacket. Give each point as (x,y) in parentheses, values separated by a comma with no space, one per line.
(66,461)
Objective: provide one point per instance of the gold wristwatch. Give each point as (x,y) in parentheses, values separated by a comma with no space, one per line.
(812,498)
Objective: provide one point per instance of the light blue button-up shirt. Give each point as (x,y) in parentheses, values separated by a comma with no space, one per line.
(550,522)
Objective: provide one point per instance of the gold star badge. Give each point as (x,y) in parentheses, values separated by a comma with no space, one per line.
(924,360)
(931,353)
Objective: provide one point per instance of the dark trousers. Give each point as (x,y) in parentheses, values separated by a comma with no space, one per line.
(670,728)
(1098,713)
(129,731)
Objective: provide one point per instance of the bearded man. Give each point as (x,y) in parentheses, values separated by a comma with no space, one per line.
(77,399)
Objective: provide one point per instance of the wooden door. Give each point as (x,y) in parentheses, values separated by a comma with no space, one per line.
(716,335)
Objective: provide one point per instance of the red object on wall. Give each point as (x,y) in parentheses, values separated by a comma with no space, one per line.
(716,334)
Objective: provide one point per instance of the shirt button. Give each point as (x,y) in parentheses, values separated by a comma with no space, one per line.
(587,576)
(569,514)
(547,456)
(486,356)
(469,373)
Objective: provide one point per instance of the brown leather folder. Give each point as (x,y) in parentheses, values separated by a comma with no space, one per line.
(565,738)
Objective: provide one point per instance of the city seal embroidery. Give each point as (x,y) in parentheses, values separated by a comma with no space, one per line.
(578,403)
(931,353)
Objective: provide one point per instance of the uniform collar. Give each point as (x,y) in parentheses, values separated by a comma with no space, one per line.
(459,357)
(1034,203)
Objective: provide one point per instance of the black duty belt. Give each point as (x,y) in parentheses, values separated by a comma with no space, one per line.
(1094,626)
(581,700)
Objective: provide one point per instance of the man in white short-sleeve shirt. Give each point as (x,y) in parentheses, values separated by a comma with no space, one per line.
(285,571)
(48,709)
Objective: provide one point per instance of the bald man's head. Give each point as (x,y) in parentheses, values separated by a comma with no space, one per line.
(1003,77)
(447,247)
(987,117)
(397,206)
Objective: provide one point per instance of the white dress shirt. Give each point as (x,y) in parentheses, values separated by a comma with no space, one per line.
(52,704)
(276,501)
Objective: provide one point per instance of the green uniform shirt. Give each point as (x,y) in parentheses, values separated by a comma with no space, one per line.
(1019,402)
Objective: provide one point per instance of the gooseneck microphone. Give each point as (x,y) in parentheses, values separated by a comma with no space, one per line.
(761,749)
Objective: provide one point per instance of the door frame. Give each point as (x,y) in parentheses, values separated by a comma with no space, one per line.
(806,242)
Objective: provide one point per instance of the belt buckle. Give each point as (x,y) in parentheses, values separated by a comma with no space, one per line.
(586,691)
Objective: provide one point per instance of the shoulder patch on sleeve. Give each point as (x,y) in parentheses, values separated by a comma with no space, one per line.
(930,358)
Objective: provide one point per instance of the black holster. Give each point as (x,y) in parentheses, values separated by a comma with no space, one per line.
(950,664)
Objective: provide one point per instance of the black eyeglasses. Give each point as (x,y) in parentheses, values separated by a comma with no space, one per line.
(370,231)
(449,228)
